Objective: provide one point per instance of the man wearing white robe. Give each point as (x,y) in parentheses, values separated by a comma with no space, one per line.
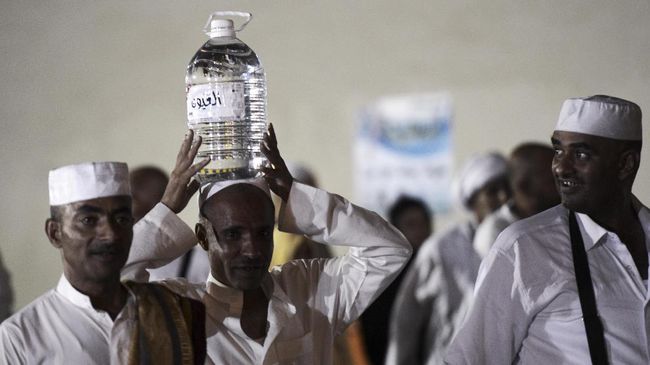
(527,309)
(90,317)
(299,307)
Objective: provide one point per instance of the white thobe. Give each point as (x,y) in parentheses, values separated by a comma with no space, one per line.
(62,327)
(489,229)
(527,309)
(431,297)
(310,301)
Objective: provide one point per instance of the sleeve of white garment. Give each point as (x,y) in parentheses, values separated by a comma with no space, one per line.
(486,233)
(499,317)
(343,287)
(11,344)
(411,310)
(158,238)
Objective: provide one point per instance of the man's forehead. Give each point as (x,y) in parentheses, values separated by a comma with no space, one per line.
(237,195)
(249,211)
(105,203)
(564,137)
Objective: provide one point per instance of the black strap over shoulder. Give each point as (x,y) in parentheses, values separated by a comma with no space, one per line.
(185,264)
(593,325)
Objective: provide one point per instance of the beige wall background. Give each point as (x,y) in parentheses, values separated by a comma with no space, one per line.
(91,80)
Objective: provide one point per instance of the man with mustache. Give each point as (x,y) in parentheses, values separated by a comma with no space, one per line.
(292,313)
(91,317)
(571,283)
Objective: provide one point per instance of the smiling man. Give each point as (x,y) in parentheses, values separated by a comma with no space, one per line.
(291,314)
(570,285)
(91,317)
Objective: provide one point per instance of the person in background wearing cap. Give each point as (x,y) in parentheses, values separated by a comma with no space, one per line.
(91,317)
(292,313)
(533,191)
(571,284)
(441,278)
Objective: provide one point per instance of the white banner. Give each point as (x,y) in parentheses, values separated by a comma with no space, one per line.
(403,147)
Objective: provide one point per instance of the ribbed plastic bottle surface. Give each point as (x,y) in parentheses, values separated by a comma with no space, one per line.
(226,106)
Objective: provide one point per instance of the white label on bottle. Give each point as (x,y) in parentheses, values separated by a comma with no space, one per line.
(221,101)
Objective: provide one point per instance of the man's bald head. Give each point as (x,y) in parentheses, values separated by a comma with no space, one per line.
(531,178)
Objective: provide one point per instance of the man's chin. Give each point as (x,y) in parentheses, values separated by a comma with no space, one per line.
(103,271)
(248,283)
(104,276)
(576,206)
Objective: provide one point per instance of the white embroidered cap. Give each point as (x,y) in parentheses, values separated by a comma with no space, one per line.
(89,180)
(477,172)
(210,189)
(603,116)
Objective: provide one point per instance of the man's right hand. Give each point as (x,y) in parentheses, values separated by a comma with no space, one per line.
(181,186)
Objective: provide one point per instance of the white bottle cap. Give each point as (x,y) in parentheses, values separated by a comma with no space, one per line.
(225,27)
(221,28)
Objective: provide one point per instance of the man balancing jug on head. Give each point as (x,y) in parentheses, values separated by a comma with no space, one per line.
(292,313)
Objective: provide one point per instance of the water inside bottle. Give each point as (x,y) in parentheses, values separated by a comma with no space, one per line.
(226,97)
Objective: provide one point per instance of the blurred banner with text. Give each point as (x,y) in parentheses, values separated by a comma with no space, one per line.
(403,146)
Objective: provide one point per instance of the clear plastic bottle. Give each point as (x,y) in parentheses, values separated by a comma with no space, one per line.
(226,102)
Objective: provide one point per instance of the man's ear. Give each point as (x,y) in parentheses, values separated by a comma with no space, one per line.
(201,235)
(629,164)
(53,232)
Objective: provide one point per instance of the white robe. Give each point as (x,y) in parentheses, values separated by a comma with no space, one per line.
(527,310)
(62,327)
(433,297)
(311,301)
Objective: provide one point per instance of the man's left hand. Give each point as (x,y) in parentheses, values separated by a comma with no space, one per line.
(277,175)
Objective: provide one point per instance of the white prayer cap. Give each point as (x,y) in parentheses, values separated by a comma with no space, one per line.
(90,180)
(603,116)
(477,172)
(212,188)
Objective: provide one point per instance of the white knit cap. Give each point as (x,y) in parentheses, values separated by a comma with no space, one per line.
(210,189)
(477,172)
(603,116)
(89,180)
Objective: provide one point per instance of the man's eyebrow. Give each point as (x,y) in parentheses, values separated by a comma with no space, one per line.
(86,209)
(89,209)
(125,209)
(233,227)
(581,145)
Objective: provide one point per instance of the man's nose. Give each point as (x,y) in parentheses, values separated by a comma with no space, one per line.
(251,248)
(562,165)
(107,230)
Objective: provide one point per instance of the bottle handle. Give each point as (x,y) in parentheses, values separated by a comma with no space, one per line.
(226,14)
